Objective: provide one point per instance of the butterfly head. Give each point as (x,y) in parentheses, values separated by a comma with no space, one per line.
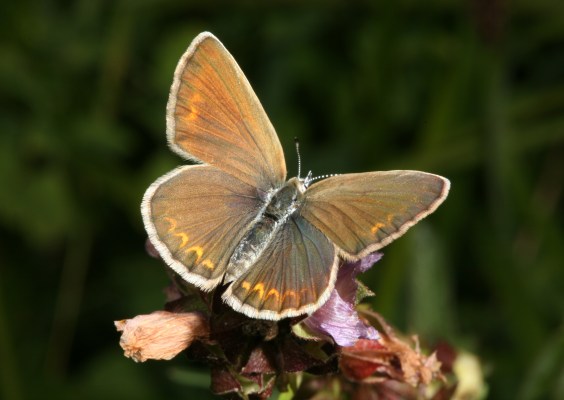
(305,182)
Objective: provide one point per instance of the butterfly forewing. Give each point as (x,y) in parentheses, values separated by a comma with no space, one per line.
(196,216)
(294,275)
(215,117)
(361,213)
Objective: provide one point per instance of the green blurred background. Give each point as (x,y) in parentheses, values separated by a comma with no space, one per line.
(471,90)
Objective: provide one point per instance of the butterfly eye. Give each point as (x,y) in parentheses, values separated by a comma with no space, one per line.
(308,179)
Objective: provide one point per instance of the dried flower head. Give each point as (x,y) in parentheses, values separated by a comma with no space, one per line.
(160,335)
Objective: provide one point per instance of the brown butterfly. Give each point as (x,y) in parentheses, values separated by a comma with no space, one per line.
(234,219)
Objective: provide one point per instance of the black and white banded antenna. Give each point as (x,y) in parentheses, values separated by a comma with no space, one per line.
(307,179)
(316,178)
(297,143)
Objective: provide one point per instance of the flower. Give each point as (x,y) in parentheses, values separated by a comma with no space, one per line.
(389,359)
(388,368)
(336,346)
(160,335)
(338,317)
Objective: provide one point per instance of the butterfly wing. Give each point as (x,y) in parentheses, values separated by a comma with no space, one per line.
(360,213)
(196,216)
(294,275)
(213,116)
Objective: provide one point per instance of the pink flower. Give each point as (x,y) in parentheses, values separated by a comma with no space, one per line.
(338,317)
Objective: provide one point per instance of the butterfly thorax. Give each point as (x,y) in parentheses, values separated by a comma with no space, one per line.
(279,207)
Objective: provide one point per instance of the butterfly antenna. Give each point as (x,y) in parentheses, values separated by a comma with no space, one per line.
(297,143)
(316,178)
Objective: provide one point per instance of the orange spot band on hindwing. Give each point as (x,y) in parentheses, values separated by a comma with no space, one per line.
(289,293)
(172,223)
(196,249)
(377,227)
(208,264)
(273,292)
(184,237)
(259,287)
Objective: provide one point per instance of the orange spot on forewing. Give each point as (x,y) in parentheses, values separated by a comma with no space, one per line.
(193,114)
(193,107)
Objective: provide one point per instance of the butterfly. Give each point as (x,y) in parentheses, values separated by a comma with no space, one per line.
(233,219)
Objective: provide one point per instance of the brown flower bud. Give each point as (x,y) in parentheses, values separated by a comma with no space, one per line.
(160,335)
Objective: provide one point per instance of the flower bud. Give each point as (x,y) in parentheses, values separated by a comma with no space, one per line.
(160,335)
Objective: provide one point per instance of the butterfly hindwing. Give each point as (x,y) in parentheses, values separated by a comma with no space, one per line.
(294,275)
(196,216)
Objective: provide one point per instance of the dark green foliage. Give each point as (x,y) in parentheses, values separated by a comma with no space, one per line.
(473,91)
